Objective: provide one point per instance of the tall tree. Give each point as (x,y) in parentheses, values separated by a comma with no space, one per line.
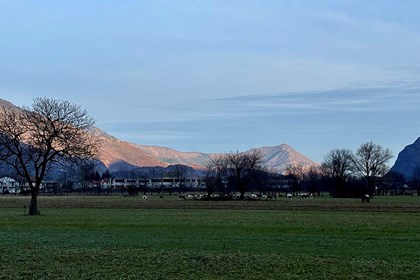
(244,168)
(371,161)
(50,131)
(216,176)
(338,165)
(238,169)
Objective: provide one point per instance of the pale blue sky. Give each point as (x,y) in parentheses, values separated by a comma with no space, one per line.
(220,76)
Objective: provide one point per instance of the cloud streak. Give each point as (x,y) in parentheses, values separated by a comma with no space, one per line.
(197,75)
(342,117)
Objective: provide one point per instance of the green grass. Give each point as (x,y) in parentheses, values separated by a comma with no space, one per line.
(141,243)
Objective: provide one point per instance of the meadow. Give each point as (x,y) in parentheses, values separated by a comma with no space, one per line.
(120,237)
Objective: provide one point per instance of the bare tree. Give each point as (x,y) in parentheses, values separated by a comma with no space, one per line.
(238,169)
(50,131)
(338,165)
(216,176)
(312,178)
(243,168)
(371,161)
(296,173)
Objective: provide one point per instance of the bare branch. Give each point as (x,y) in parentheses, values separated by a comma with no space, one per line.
(49,131)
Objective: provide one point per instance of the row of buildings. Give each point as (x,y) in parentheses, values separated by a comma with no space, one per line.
(9,185)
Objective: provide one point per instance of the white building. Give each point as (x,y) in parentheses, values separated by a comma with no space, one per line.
(8,185)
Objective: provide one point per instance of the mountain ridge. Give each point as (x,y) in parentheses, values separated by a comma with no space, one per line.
(408,160)
(117,154)
(275,157)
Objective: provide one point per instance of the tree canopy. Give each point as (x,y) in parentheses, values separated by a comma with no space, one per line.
(238,169)
(371,161)
(50,131)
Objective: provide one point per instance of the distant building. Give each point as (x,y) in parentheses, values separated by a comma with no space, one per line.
(9,185)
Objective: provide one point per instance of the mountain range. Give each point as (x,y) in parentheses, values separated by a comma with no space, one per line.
(119,155)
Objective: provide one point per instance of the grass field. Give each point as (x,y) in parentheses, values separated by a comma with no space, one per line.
(128,238)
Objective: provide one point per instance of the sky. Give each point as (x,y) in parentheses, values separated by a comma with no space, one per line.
(222,76)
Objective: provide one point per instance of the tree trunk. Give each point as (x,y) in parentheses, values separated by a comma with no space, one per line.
(33,205)
(242,192)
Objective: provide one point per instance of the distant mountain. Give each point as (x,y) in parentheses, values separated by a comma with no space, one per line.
(408,159)
(282,156)
(118,155)
(122,155)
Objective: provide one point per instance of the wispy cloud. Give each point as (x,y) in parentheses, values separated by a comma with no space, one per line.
(191,74)
(340,101)
(331,117)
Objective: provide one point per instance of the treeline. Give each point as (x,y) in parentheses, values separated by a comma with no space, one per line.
(343,173)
